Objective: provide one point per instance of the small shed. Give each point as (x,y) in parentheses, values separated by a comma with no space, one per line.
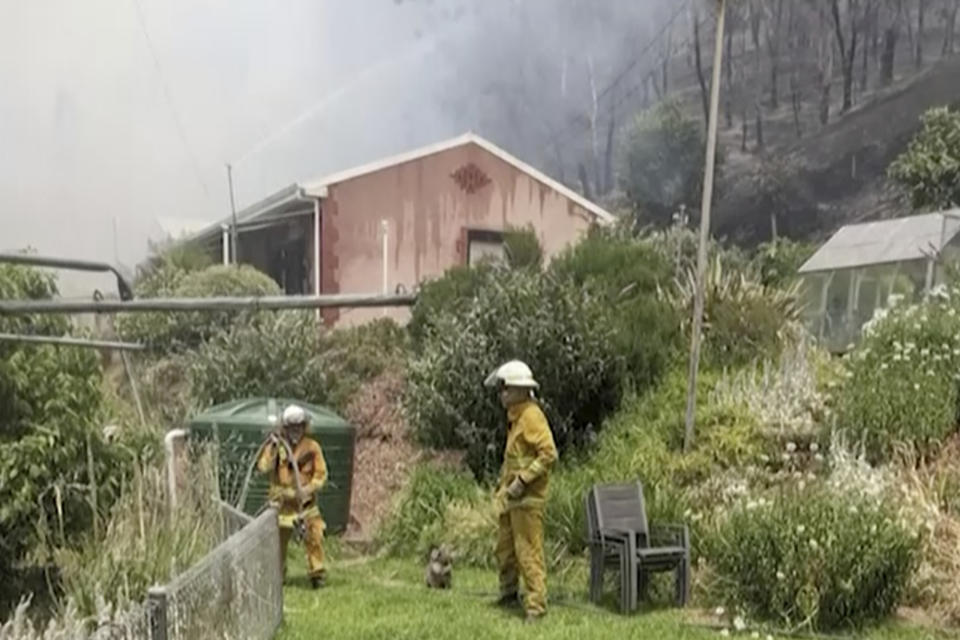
(862,265)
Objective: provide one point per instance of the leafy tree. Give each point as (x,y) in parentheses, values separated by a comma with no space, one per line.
(929,170)
(625,272)
(663,164)
(563,331)
(177,332)
(55,469)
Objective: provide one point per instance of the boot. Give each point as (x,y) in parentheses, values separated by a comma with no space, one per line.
(508,601)
(318,581)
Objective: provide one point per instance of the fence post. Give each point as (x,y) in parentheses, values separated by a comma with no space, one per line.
(157,605)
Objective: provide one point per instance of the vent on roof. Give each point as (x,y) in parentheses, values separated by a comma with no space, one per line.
(470,177)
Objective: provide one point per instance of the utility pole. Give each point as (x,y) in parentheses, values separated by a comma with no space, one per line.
(705,203)
(233,213)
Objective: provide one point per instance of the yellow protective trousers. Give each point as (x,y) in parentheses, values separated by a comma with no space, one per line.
(520,555)
(313,543)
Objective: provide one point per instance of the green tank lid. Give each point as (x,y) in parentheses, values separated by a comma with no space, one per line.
(260,412)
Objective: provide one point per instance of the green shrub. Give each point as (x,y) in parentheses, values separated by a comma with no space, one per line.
(50,405)
(777,262)
(742,319)
(902,386)
(625,273)
(663,163)
(522,248)
(421,506)
(469,528)
(562,331)
(928,171)
(279,356)
(813,557)
(359,354)
(182,331)
(451,293)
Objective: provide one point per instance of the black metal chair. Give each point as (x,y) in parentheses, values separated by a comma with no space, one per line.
(619,537)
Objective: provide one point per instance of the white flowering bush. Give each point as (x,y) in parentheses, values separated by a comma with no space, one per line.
(786,395)
(812,558)
(903,377)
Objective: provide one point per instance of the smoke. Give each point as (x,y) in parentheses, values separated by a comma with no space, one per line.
(117,112)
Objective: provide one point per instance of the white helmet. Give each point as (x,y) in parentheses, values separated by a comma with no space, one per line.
(513,374)
(294,415)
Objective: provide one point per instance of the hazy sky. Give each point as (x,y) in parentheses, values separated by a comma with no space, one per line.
(89,136)
(117,112)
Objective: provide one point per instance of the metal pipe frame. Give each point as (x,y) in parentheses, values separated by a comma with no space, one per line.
(73,342)
(123,287)
(262,303)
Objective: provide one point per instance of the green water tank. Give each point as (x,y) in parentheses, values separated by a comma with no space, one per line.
(239,428)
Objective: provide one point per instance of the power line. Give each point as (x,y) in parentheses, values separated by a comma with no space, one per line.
(567,132)
(169,98)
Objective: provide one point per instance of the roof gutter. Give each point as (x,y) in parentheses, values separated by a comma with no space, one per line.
(289,194)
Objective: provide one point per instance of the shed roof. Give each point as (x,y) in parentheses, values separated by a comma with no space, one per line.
(299,193)
(318,187)
(885,241)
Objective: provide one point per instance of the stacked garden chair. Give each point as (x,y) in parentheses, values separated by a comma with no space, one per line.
(619,537)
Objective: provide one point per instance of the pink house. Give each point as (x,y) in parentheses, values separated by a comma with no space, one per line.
(393,223)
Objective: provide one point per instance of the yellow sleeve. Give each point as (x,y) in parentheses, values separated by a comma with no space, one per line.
(319,478)
(268,458)
(537,433)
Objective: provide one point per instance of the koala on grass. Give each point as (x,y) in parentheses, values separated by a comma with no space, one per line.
(439,573)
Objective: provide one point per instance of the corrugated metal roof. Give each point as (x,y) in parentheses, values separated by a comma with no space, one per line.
(885,241)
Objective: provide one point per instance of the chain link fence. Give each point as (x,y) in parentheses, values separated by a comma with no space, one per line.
(235,592)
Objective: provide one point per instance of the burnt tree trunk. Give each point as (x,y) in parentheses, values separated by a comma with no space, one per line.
(950,28)
(698,62)
(744,130)
(796,102)
(756,16)
(847,53)
(759,116)
(825,69)
(773,48)
(921,19)
(584,181)
(728,81)
(608,153)
(869,27)
(889,53)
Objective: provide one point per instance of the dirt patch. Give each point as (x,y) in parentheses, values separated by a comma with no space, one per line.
(385,454)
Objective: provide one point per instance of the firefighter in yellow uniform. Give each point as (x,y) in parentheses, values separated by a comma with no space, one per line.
(522,492)
(291,502)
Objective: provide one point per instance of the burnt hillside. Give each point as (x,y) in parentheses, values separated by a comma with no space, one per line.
(837,174)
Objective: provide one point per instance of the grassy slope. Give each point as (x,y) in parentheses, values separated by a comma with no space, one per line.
(386,599)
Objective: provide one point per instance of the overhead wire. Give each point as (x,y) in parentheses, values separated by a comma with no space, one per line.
(168,97)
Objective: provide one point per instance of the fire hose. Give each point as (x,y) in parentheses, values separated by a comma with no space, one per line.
(300,522)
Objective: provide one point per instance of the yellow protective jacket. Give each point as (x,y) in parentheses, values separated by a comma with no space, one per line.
(530,453)
(274,460)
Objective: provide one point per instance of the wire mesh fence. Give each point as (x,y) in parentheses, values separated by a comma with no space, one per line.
(234,593)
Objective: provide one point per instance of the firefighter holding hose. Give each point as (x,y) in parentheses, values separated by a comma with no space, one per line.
(293,486)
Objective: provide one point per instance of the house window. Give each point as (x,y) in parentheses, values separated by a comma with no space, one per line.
(484,245)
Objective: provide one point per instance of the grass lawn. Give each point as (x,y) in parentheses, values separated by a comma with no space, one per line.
(387,599)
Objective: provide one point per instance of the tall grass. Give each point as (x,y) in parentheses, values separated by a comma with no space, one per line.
(142,542)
